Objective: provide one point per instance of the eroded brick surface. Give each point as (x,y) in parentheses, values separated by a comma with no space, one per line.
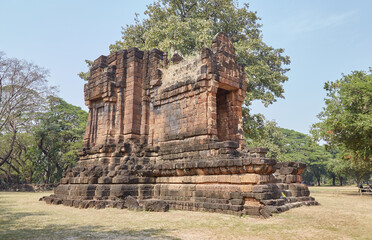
(169,135)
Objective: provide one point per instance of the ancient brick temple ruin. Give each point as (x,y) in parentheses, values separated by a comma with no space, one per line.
(169,135)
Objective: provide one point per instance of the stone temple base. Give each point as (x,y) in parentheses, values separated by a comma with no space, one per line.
(243,185)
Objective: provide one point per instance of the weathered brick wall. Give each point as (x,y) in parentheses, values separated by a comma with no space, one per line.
(202,98)
(289,180)
(117,95)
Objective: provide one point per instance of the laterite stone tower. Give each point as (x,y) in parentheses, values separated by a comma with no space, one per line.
(169,135)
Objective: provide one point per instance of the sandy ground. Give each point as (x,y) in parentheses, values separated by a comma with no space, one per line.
(342,214)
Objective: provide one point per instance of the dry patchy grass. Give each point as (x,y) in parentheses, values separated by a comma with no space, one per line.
(343,214)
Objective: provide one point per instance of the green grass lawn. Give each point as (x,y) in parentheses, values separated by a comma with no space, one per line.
(342,214)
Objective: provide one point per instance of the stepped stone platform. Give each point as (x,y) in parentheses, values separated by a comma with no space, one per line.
(168,135)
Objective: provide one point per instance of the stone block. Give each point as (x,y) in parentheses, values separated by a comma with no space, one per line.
(131,203)
(155,205)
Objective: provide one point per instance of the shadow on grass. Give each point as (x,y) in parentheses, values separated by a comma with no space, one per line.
(9,217)
(358,194)
(70,232)
(11,228)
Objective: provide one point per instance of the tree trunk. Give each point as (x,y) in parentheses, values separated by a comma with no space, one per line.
(29,179)
(47,175)
(358,179)
(9,175)
(333,180)
(341,180)
(6,180)
(5,158)
(318,180)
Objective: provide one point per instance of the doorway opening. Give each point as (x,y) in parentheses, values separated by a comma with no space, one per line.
(223,114)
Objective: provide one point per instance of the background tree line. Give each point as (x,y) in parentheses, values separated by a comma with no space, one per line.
(325,164)
(40,133)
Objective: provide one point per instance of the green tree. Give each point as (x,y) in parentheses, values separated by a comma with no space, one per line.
(338,168)
(186,26)
(357,169)
(332,168)
(289,145)
(271,137)
(58,138)
(299,147)
(295,145)
(23,86)
(346,120)
(316,161)
(16,169)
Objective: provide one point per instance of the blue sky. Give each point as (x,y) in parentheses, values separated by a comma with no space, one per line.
(323,38)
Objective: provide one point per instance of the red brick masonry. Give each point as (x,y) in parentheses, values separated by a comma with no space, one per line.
(166,135)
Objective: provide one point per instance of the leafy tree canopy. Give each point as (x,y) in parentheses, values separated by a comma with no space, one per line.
(22,88)
(58,137)
(270,136)
(346,120)
(299,147)
(186,26)
(289,145)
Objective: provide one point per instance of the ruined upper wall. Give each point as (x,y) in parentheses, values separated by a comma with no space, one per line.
(133,94)
(114,95)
